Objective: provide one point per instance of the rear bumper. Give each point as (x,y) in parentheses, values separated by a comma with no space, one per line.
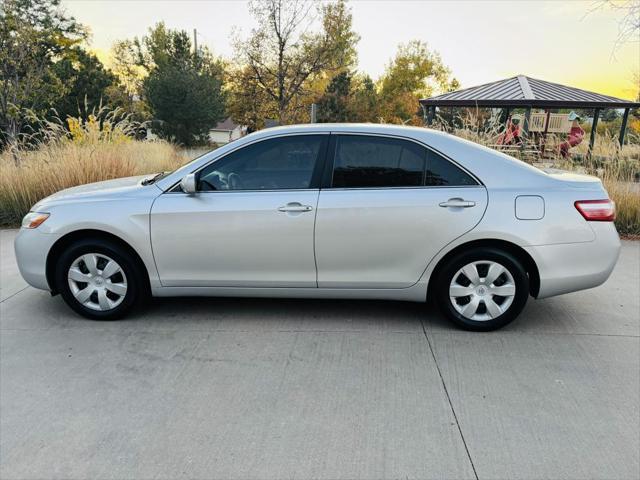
(569,267)
(32,248)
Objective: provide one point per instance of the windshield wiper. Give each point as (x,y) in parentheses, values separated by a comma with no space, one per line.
(151,180)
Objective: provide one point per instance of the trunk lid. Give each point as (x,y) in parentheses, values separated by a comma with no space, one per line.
(575,180)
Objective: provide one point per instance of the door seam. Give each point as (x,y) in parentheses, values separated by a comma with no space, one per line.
(153,253)
(315,220)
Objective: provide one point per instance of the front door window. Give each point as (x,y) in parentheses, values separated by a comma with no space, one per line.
(284,163)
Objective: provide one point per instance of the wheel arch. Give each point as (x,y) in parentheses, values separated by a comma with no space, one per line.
(84,234)
(521,254)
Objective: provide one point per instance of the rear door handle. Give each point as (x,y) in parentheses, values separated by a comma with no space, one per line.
(295,207)
(457,203)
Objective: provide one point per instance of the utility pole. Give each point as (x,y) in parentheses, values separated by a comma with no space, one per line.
(314,113)
(195,42)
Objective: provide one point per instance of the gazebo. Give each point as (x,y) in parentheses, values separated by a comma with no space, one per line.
(528,93)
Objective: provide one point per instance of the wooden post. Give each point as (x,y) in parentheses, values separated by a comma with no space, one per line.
(594,128)
(544,134)
(525,127)
(623,127)
(430,114)
(527,117)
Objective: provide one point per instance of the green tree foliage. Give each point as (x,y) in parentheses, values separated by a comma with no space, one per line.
(183,89)
(86,84)
(337,24)
(126,66)
(247,103)
(364,102)
(349,98)
(33,35)
(334,105)
(415,72)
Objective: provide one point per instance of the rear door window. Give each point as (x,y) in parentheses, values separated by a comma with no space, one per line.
(363,161)
(441,172)
(366,161)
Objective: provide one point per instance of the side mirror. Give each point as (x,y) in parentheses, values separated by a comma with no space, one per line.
(188,184)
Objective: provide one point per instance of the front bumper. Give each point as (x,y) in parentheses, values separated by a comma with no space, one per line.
(568,267)
(32,247)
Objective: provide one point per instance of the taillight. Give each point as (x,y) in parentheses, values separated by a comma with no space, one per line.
(597,210)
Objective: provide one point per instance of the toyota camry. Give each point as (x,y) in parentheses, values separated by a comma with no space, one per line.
(328,211)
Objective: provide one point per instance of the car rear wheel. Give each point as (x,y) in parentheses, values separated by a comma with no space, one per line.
(99,279)
(483,289)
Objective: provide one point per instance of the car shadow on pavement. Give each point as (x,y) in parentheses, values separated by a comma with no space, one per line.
(577,313)
(286,314)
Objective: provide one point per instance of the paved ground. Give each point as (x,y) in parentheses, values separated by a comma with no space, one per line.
(230,389)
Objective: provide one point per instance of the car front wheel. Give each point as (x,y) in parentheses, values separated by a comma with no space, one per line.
(98,279)
(483,289)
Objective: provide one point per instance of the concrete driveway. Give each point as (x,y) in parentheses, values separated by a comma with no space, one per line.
(266,389)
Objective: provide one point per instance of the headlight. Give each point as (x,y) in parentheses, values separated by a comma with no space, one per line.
(34,219)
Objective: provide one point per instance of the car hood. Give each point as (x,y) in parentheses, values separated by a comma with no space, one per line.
(120,187)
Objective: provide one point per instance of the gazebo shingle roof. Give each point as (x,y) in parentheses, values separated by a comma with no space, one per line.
(523,91)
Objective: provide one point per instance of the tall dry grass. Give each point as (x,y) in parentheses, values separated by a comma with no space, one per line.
(627,198)
(90,151)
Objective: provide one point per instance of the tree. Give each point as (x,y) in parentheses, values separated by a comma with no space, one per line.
(247,102)
(33,34)
(337,24)
(334,105)
(628,22)
(85,84)
(183,88)
(185,104)
(284,54)
(415,72)
(349,98)
(364,100)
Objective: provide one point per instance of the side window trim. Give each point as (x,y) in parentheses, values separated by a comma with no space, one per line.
(314,184)
(329,159)
(327,177)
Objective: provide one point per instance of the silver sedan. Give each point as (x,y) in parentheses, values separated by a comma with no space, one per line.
(328,211)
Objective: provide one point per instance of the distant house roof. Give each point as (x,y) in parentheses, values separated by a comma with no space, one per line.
(523,91)
(228,125)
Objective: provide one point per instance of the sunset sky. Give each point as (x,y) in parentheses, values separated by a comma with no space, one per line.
(569,42)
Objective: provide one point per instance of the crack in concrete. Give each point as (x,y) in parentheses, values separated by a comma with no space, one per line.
(14,294)
(453,411)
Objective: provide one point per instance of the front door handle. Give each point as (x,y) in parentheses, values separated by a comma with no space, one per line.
(457,203)
(295,207)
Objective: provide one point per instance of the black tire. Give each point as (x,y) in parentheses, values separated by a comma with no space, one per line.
(136,284)
(446,275)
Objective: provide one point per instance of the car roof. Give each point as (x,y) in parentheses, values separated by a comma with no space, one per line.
(382,128)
